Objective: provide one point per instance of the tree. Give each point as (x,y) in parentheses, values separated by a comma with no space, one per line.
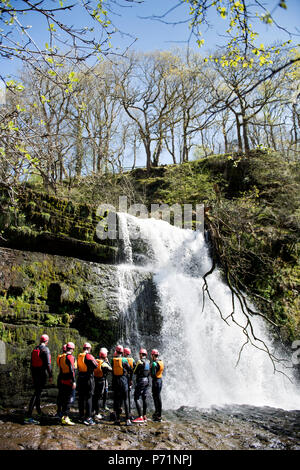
(148,95)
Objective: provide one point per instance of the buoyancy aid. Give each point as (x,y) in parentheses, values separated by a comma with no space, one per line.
(117,364)
(142,368)
(99,372)
(65,368)
(58,358)
(160,370)
(130,361)
(82,367)
(36,360)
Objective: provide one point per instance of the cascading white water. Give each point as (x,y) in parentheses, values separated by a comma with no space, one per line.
(201,351)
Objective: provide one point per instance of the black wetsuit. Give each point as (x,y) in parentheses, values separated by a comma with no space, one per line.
(142,372)
(39,377)
(156,388)
(86,386)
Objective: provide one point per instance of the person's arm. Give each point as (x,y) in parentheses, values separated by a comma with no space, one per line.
(47,361)
(106,365)
(93,362)
(138,364)
(71,362)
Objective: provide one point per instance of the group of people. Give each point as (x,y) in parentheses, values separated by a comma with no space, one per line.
(89,376)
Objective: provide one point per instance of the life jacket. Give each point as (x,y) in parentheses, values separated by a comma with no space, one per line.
(36,360)
(118,366)
(58,358)
(65,368)
(142,371)
(146,368)
(99,372)
(82,367)
(130,361)
(161,369)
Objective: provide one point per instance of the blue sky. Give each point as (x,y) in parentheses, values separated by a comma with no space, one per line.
(154,35)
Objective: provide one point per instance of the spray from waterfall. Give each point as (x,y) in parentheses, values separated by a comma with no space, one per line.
(208,361)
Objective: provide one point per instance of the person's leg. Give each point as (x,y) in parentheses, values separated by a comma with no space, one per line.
(105,393)
(159,402)
(80,389)
(144,398)
(66,398)
(96,397)
(137,395)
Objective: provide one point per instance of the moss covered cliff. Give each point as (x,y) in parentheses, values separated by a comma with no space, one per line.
(57,276)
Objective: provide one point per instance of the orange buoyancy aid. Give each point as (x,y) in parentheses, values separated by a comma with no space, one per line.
(58,358)
(130,361)
(99,372)
(118,366)
(82,367)
(160,370)
(65,368)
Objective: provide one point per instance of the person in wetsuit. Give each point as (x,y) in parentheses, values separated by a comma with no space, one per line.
(120,370)
(40,367)
(157,368)
(142,373)
(131,361)
(58,402)
(68,382)
(86,364)
(101,383)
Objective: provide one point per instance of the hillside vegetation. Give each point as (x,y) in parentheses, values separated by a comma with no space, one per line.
(252,214)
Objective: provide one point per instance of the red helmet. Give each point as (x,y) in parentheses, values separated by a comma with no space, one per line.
(103,352)
(119,349)
(127,351)
(86,345)
(143,351)
(70,345)
(154,352)
(115,354)
(44,338)
(64,348)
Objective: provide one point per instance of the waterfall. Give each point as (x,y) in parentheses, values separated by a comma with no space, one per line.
(207,360)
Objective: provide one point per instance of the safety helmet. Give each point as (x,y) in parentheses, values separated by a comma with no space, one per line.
(70,345)
(86,345)
(119,349)
(44,338)
(127,351)
(154,352)
(143,351)
(103,352)
(64,348)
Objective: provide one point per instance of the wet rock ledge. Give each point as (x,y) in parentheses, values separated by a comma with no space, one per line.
(238,428)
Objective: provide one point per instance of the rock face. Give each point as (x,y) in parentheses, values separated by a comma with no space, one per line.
(68,298)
